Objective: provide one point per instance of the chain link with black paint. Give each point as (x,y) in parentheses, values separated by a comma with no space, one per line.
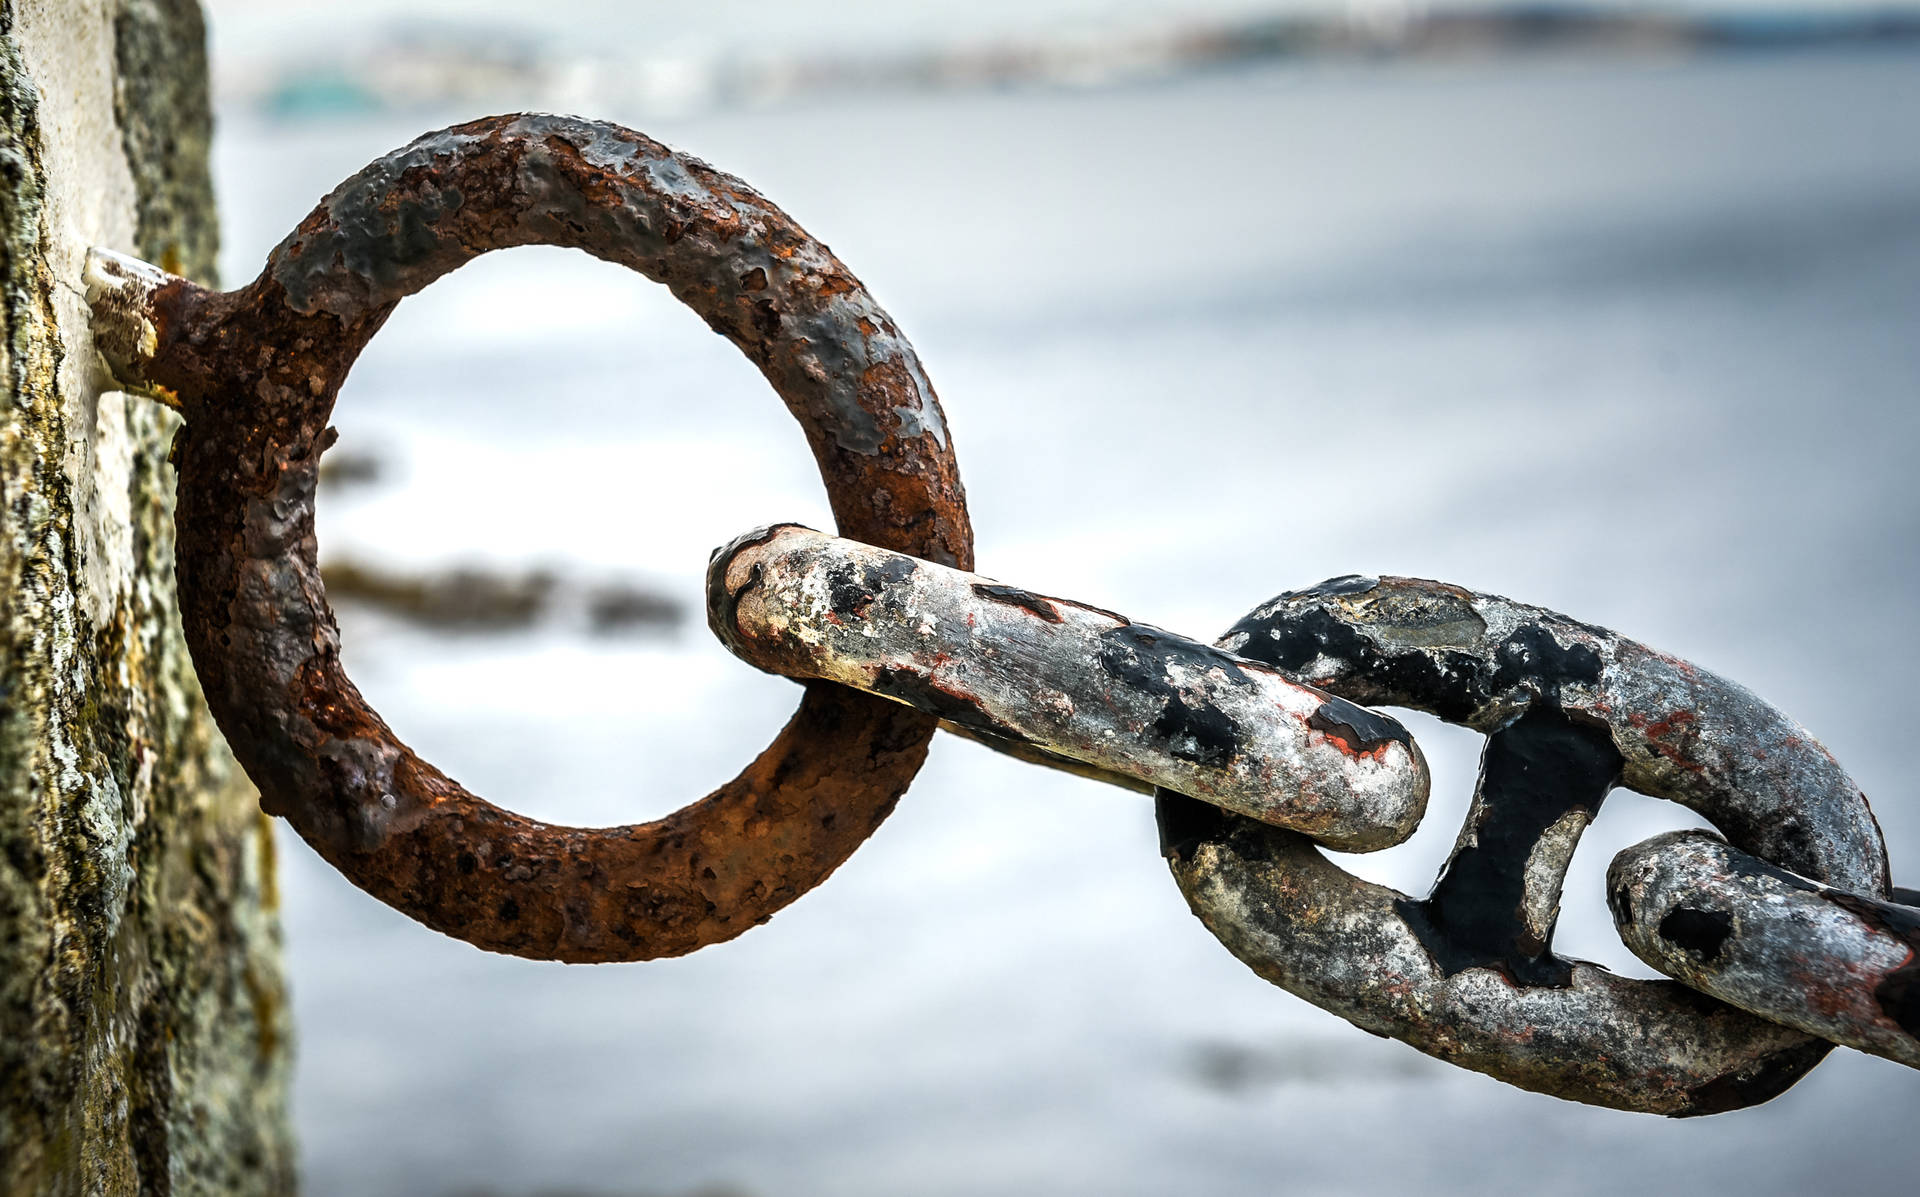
(1467,973)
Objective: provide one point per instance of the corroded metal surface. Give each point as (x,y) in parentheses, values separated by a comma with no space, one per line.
(1833,963)
(1068,680)
(1468,974)
(255,373)
(1258,747)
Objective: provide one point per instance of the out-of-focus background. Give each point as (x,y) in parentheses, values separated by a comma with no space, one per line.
(1615,310)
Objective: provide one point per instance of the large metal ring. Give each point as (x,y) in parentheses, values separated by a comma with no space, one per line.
(255,372)
(1468,974)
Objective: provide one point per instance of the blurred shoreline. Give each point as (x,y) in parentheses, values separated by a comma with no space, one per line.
(479,598)
(418,65)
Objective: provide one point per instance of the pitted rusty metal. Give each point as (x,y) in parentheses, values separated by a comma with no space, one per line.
(1069,681)
(1832,963)
(1468,974)
(256,371)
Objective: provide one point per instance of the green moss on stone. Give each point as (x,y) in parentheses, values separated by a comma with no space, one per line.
(143,1033)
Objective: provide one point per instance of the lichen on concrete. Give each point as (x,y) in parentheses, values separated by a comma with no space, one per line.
(143,1027)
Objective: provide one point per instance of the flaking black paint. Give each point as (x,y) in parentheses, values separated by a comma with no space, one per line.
(1013,596)
(1140,657)
(1363,729)
(1534,771)
(1702,933)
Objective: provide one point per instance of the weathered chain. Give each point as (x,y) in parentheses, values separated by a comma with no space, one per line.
(1258,750)
(1258,747)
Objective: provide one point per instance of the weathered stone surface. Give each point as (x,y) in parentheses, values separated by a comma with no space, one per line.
(143,1027)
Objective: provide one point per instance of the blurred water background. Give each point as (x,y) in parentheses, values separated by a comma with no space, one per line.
(1631,331)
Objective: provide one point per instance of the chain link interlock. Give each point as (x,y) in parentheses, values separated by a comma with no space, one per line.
(1782,938)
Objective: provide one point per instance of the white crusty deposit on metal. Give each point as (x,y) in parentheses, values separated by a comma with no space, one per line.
(1074,681)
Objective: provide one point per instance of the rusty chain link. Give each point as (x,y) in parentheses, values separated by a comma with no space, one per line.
(1782,939)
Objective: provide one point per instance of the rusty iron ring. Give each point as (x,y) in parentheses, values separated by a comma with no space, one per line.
(1468,974)
(256,371)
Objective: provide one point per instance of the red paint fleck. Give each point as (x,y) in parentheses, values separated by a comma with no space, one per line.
(1836,990)
(1678,726)
(1346,747)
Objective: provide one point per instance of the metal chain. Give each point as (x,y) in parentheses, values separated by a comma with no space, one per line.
(1258,748)
(1468,973)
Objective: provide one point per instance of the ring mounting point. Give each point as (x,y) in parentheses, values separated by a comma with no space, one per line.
(123,293)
